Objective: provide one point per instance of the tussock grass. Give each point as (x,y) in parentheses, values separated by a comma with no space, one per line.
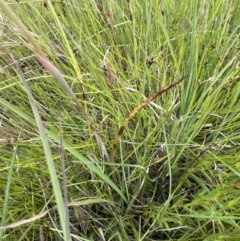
(175,174)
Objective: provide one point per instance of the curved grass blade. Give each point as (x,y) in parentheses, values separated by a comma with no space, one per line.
(44,213)
(57,74)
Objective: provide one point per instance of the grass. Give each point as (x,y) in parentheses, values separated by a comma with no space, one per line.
(72,80)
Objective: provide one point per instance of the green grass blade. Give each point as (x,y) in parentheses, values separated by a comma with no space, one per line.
(6,193)
(50,162)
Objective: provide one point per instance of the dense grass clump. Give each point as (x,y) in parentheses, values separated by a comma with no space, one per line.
(85,155)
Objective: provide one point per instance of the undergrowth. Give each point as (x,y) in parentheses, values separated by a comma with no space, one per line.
(175,172)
